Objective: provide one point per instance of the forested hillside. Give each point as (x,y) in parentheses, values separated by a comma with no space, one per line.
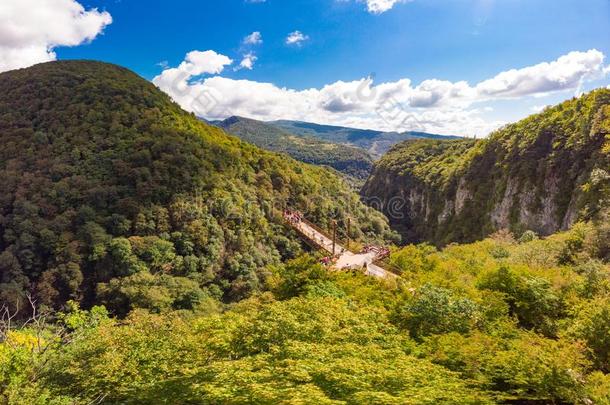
(110,193)
(349,160)
(143,260)
(377,143)
(498,321)
(542,174)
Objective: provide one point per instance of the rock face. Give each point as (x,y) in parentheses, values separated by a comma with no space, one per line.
(543,173)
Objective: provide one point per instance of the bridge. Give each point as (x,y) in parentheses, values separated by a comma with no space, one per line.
(345,259)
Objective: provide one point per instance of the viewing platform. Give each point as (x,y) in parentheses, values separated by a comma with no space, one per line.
(345,259)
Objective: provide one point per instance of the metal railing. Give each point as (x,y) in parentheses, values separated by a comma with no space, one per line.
(312,240)
(383,262)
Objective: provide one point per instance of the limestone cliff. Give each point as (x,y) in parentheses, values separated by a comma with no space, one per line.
(543,173)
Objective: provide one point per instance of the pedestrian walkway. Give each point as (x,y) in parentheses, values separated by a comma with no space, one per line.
(346,260)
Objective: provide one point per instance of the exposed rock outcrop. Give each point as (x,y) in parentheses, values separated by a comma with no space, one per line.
(534,174)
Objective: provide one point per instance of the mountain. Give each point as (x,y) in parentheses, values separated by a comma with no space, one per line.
(543,174)
(348,160)
(377,143)
(112,193)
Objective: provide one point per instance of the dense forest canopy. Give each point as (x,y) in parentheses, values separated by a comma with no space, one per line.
(111,191)
(349,160)
(498,321)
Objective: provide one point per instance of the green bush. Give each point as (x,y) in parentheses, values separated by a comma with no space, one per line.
(435,310)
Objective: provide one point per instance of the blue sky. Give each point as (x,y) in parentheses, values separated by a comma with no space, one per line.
(346,42)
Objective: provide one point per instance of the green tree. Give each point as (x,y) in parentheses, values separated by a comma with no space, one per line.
(591,324)
(434,310)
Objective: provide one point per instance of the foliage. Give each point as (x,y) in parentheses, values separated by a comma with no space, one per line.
(296,277)
(591,324)
(523,366)
(542,320)
(531,299)
(157,293)
(103,177)
(598,388)
(434,310)
(349,160)
(471,328)
(115,196)
(261,352)
(414,258)
(542,174)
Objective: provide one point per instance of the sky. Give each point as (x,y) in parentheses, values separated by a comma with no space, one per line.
(462,67)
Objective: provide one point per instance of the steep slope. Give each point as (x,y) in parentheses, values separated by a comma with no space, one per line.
(542,173)
(348,160)
(377,143)
(104,177)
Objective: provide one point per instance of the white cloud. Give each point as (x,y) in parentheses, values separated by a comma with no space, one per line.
(296,38)
(433,105)
(381,6)
(564,73)
(254,39)
(207,62)
(30,30)
(175,81)
(198,63)
(433,92)
(248,61)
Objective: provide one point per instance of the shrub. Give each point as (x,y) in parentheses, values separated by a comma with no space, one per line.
(435,310)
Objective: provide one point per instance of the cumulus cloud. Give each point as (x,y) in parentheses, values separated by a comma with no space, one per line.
(30,30)
(254,39)
(567,72)
(248,61)
(176,81)
(433,105)
(296,38)
(381,6)
(198,63)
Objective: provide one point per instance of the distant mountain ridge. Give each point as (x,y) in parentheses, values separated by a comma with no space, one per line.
(377,143)
(349,160)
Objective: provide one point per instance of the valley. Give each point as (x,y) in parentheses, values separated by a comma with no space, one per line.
(353,162)
(149,257)
(159,247)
